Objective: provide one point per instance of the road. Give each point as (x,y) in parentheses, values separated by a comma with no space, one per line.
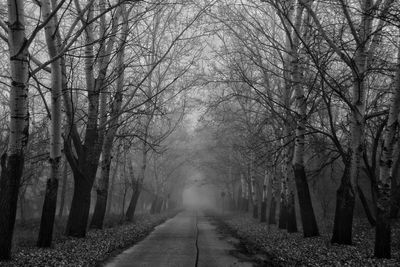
(188,239)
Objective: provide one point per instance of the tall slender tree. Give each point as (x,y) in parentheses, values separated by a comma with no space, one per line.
(12,161)
(50,201)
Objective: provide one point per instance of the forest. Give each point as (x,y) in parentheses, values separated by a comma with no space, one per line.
(116,115)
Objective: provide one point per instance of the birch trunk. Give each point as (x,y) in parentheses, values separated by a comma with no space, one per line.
(283,199)
(137,184)
(111,190)
(50,201)
(12,162)
(253,192)
(263,213)
(395,195)
(247,196)
(272,207)
(243,203)
(309,222)
(383,227)
(284,194)
(63,190)
(342,227)
(254,197)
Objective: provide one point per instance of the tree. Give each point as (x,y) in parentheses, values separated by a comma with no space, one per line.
(50,201)
(12,161)
(383,225)
(83,154)
(366,40)
(102,190)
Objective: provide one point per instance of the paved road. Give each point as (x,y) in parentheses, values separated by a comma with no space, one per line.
(186,240)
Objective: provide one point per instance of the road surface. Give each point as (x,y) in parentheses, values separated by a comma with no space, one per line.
(188,239)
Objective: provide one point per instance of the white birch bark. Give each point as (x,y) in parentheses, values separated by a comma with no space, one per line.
(56,91)
(243,186)
(300,100)
(265,186)
(19,122)
(383,232)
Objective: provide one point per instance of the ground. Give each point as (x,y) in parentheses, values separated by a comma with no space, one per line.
(280,248)
(93,250)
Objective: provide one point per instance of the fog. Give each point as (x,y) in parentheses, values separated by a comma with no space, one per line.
(196,197)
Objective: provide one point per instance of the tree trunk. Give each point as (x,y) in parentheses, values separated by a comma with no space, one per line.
(395,203)
(48,214)
(84,162)
(395,194)
(50,202)
(245,193)
(100,208)
(282,214)
(9,188)
(153,208)
(291,215)
(63,190)
(12,162)
(383,227)
(110,193)
(345,199)
(102,191)
(133,203)
(80,206)
(309,222)
(263,213)
(254,198)
(272,211)
(22,206)
(367,210)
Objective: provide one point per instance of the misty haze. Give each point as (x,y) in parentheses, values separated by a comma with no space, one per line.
(199,133)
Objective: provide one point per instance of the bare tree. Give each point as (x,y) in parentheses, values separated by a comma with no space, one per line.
(12,161)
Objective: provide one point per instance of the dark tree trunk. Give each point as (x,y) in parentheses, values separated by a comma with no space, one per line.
(63,190)
(153,208)
(22,206)
(84,169)
(110,193)
(263,212)
(383,229)
(343,223)
(395,201)
(291,215)
(272,211)
(100,209)
(240,206)
(80,206)
(255,210)
(133,203)
(159,205)
(245,205)
(102,195)
(310,227)
(48,214)
(367,210)
(10,179)
(395,189)
(282,214)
